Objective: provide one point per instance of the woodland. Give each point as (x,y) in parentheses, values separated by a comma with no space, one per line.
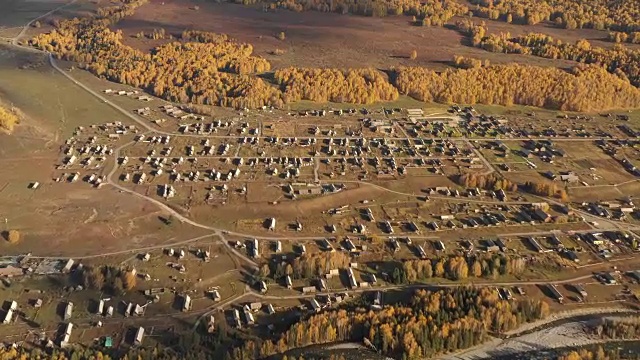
(203,68)
(430,323)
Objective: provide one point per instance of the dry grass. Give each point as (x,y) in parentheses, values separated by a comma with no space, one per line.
(318,39)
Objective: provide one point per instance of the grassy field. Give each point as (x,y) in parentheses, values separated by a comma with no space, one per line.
(17,13)
(320,39)
(58,219)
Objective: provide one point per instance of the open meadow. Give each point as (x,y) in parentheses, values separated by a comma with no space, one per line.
(314,39)
(69,219)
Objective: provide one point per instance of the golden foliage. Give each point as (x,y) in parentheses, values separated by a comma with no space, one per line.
(547,189)
(430,324)
(619,328)
(487,182)
(460,267)
(586,88)
(468,63)
(318,264)
(570,14)
(198,71)
(128,280)
(8,118)
(430,12)
(360,86)
(13,236)
(618,60)
(632,38)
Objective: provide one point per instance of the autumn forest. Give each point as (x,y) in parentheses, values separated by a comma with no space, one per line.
(204,68)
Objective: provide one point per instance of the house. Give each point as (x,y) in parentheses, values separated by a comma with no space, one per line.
(255,249)
(580,290)
(421,252)
(353,283)
(535,244)
(9,315)
(635,274)
(525,153)
(255,306)
(248,317)
(490,246)
(549,174)
(377,301)
(609,279)
(572,178)
(263,287)
(571,255)
(67,335)
(67,266)
(270,309)
(315,305)
(68,310)
(309,289)
(555,293)
(186,303)
(211,327)
(541,215)
(594,238)
(137,340)
(322,285)
(100,308)
(236,318)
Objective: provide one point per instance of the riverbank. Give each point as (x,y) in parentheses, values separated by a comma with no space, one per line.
(560,330)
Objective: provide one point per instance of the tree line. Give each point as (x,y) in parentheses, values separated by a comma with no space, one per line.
(627,327)
(584,88)
(432,322)
(618,60)
(569,14)
(107,278)
(486,182)
(495,182)
(621,37)
(598,354)
(309,265)
(547,189)
(458,267)
(429,12)
(360,86)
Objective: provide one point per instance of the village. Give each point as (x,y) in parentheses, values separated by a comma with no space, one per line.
(372,188)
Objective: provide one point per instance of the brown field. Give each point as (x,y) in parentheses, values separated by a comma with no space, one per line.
(63,219)
(17,13)
(316,39)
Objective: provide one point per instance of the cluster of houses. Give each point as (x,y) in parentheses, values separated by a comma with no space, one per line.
(617,210)
(546,150)
(608,242)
